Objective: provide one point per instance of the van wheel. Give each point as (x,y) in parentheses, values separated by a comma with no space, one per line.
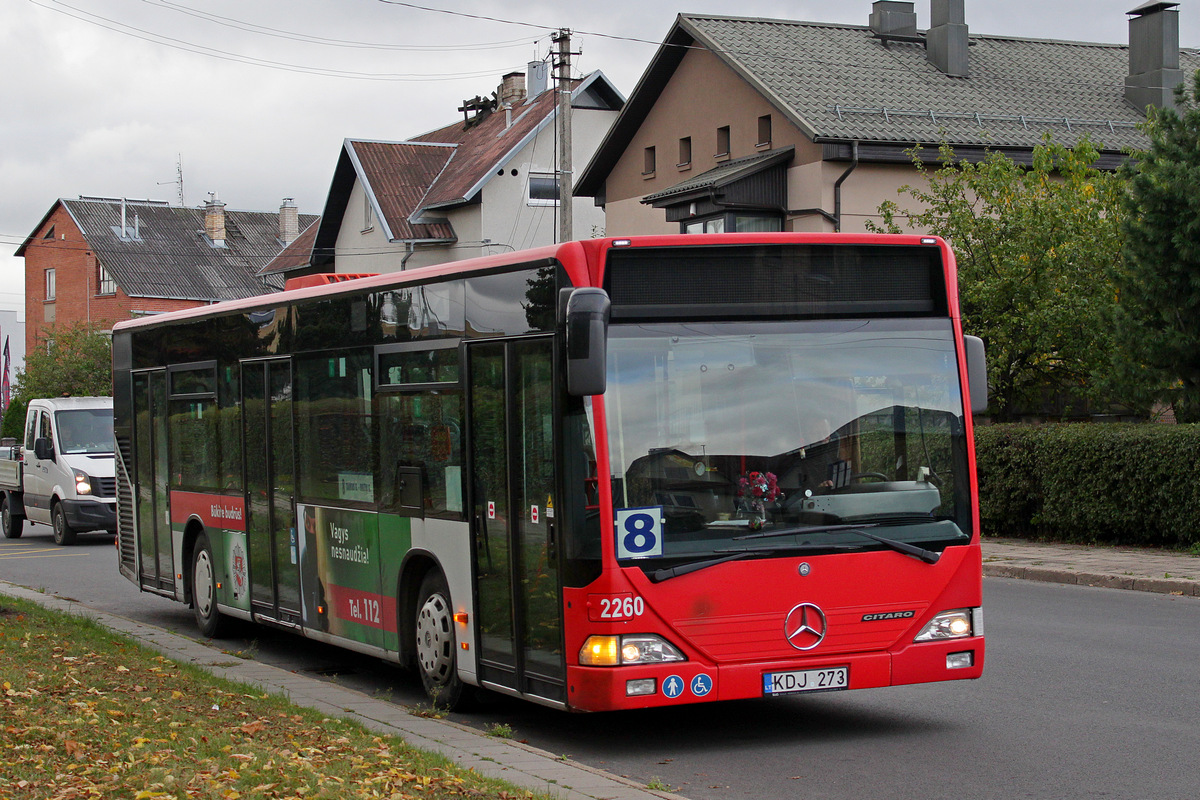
(211,622)
(9,522)
(63,535)
(437,654)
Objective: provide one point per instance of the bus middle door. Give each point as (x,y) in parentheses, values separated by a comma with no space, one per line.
(271,489)
(512,468)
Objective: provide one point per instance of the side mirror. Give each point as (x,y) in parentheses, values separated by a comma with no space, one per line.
(587,341)
(43,449)
(976,373)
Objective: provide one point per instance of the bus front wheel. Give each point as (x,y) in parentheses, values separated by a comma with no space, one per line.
(212,623)
(435,645)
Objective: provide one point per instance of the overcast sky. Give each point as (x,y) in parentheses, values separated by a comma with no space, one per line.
(104,97)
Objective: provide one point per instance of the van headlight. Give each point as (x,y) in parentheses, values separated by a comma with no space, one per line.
(83,483)
(947,625)
(636,648)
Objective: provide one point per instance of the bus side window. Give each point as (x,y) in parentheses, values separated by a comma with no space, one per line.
(420,447)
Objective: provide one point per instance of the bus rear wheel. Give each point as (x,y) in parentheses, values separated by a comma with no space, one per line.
(211,622)
(437,657)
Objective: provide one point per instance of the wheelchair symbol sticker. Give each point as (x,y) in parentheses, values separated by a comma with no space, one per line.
(701,685)
(673,686)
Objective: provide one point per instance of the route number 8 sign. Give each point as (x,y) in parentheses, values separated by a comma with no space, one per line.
(639,532)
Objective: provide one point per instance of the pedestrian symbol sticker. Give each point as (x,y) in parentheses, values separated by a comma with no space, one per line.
(673,686)
(701,685)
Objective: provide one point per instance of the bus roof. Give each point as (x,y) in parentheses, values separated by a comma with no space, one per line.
(577,256)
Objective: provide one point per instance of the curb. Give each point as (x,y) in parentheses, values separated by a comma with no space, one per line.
(1140,584)
(519,764)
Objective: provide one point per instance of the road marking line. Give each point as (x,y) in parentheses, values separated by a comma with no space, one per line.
(40,554)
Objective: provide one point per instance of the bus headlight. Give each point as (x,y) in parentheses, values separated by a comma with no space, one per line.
(83,483)
(947,625)
(639,648)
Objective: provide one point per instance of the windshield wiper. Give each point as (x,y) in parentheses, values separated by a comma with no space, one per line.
(928,556)
(771,534)
(666,574)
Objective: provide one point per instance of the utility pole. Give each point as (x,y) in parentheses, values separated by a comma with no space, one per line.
(565,182)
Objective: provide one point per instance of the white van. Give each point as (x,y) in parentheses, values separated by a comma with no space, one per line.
(66,476)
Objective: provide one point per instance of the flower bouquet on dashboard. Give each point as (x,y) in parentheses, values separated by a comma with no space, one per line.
(755,490)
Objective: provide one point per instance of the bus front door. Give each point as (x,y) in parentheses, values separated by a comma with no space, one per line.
(511,458)
(270,490)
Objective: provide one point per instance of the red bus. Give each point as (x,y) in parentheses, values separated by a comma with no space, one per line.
(608,474)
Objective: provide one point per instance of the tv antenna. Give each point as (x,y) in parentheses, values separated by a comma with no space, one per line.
(178,182)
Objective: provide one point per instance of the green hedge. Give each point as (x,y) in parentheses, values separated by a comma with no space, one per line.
(1112,483)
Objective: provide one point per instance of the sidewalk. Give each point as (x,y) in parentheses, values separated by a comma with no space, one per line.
(1094,565)
(519,764)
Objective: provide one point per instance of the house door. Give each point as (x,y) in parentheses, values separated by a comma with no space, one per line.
(511,462)
(271,489)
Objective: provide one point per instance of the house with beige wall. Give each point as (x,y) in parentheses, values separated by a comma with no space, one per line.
(485,184)
(759,124)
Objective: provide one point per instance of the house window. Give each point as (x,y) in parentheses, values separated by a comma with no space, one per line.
(104,281)
(51,285)
(685,152)
(735,223)
(648,161)
(722,141)
(764,131)
(714,225)
(368,214)
(543,189)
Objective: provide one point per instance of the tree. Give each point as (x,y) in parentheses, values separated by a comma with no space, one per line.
(1159,309)
(77,361)
(1036,248)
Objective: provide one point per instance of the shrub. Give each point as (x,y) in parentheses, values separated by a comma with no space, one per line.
(1116,484)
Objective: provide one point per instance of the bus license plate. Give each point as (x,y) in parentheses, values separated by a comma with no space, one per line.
(806,680)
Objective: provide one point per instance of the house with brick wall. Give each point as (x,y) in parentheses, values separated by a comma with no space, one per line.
(101,260)
(746,124)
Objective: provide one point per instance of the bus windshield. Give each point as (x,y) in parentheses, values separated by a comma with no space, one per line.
(729,432)
(85,431)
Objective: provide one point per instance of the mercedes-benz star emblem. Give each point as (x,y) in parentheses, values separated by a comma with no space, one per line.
(805,626)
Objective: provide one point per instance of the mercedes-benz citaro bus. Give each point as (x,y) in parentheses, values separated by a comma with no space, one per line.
(607,474)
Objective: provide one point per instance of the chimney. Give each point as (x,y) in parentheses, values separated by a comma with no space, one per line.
(214,220)
(289,222)
(946,42)
(1153,56)
(539,77)
(512,89)
(893,19)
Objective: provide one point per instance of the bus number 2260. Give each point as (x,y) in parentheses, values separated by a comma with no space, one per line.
(603,607)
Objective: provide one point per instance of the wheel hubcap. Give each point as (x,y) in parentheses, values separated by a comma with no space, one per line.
(203,583)
(435,639)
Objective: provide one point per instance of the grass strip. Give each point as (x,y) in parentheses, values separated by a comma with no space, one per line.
(87,713)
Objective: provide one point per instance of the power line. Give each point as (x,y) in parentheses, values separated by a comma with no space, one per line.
(266,30)
(224,55)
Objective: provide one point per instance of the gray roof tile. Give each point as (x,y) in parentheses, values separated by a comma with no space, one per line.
(838,80)
(171,257)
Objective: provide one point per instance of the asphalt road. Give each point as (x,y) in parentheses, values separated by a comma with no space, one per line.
(1087,693)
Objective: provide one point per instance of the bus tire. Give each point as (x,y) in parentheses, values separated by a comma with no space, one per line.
(211,622)
(63,535)
(435,647)
(10,522)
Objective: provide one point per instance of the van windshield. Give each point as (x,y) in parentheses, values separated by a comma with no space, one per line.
(86,430)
